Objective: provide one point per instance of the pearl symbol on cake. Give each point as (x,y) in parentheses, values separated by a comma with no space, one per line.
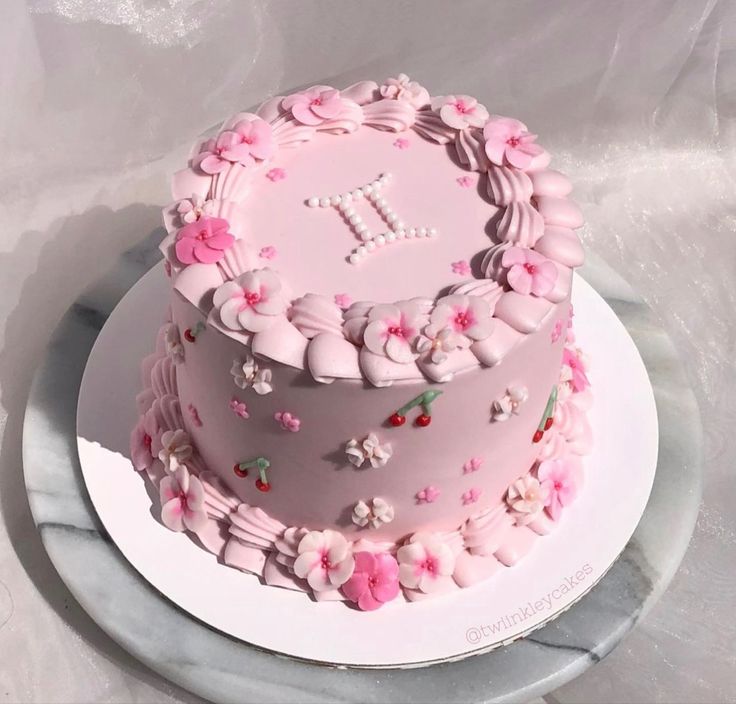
(345,204)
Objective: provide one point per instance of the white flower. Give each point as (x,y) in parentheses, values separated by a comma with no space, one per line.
(436,342)
(509,404)
(527,498)
(375,515)
(368,449)
(176,449)
(191,209)
(248,373)
(174,347)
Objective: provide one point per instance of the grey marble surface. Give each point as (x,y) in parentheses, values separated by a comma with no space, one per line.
(218,668)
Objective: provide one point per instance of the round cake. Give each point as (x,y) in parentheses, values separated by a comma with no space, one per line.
(368,386)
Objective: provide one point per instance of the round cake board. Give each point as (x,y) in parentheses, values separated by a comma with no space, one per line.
(557,572)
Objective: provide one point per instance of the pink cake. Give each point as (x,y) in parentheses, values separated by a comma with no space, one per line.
(368,386)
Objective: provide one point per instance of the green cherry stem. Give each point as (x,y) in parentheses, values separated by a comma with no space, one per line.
(424,399)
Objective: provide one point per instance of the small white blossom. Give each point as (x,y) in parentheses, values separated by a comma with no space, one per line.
(509,404)
(375,515)
(436,342)
(248,373)
(191,209)
(174,347)
(176,449)
(368,449)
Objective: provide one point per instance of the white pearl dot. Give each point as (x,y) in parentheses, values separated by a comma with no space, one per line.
(376,185)
(354,258)
(367,190)
(357,194)
(354,219)
(387,176)
(372,196)
(361,251)
(390,236)
(381,203)
(370,245)
(422,232)
(391,217)
(400,234)
(346,197)
(324,202)
(411,234)
(413,231)
(313,202)
(348,212)
(399,225)
(380,240)
(360,228)
(366,235)
(432,232)
(335,200)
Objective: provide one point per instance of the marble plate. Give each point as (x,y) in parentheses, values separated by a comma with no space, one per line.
(560,569)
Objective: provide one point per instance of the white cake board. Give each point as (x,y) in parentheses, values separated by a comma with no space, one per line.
(557,572)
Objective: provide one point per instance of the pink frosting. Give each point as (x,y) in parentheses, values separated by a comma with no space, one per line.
(507,185)
(529,272)
(287,421)
(227,148)
(423,561)
(255,137)
(314,106)
(252,302)
(314,314)
(571,359)
(392,330)
(324,560)
(561,484)
(508,142)
(520,224)
(403,89)
(469,317)
(375,580)
(460,111)
(182,501)
(204,240)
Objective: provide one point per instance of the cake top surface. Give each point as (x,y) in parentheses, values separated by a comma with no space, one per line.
(407,227)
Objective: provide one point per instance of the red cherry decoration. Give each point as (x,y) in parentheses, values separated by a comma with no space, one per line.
(548,423)
(397,419)
(188,336)
(263,486)
(240,472)
(423,420)
(537,436)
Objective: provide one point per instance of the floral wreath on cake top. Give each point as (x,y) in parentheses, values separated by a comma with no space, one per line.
(527,270)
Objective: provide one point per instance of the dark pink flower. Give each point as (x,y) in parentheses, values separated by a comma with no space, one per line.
(204,240)
(577,377)
(255,137)
(276,174)
(558,479)
(428,495)
(509,143)
(218,154)
(182,501)
(375,580)
(314,106)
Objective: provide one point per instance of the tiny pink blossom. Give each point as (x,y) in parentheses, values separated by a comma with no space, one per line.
(288,421)
(204,240)
(509,143)
(182,501)
(314,106)
(529,272)
(324,560)
(428,495)
(472,465)
(239,408)
(423,561)
(375,580)
(578,379)
(217,154)
(268,252)
(255,137)
(141,441)
(556,331)
(465,181)
(276,174)
(342,300)
(460,111)
(559,481)
(402,143)
(194,415)
(404,89)
(471,496)
(461,267)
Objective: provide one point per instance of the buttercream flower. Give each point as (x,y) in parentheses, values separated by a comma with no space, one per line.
(472,465)
(204,240)
(182,501)
(276,174)
(403,88)
(288,421)
(268,252)
(392,330)
(217,154)
(471,496)
(469,317)
(255,137)
(375,580)
(375,514)
(248,373)
(176,449)
(314,106)
(423,560)
(239,408)
(252,302)
(324,560)
(342,300)
(528,271)
(509,404)
(527,498)
(556,333)
(141,440)
(557,478)
(576,376)
(436,342)
(368,449)
(461,267)
(191,209)
(460,111)
(402,143)
(172,342)
(509,143)
(464,181)
(428,495)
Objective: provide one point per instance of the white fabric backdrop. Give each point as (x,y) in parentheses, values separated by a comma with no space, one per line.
(99,99)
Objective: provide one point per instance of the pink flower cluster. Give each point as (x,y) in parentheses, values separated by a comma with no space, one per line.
(252,301)
(203,241)
(375,580)
(314,106)
(508,143)
(248,140)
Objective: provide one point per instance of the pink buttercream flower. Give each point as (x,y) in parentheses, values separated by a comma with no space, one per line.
(141,441)
(461,267)
(471,496)
(465,181)
(176,449)
(469,317)
(460,111)
(508,142)
(276,174)
(577,377)
(375,580)
(239,408)
(472,465)
(559,481)
(194,415)
(191,209)
(252,302)
(268,252)
(392,330)
(436,342)
(403,88)
(314,106)
(342,300)
(288,421)
(182,501)
(324,560)
(528,271)
(255,137)
(527,498)
(402,143)
(556,333)
(423,561)
(204,240)
(428,495)
(217,154)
